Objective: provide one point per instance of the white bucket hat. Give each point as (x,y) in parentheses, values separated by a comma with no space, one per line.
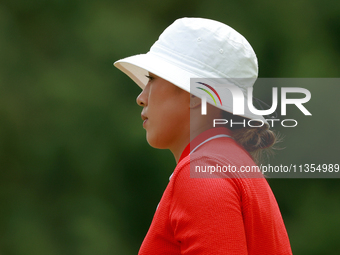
(198,48)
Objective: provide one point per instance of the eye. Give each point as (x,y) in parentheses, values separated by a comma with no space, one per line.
(149,77)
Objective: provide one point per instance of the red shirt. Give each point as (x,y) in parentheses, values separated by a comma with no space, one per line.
(216,215)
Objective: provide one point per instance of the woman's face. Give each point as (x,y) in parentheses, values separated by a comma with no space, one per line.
(166,113)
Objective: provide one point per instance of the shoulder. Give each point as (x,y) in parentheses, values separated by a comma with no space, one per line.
(219,158)
(214,173)
(193,193)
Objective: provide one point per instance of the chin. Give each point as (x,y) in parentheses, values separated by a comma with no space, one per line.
(155,142)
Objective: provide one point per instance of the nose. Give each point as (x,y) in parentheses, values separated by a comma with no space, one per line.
(142,99)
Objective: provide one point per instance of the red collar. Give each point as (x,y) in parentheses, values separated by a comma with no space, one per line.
(202,137)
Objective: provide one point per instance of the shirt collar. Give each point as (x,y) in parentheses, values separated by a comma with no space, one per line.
(202,137)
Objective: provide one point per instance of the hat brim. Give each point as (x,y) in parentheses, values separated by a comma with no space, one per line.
(138,67)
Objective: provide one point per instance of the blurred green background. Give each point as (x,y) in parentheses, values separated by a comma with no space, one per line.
(77,176)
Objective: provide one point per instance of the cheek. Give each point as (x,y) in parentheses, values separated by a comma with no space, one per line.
(168,124)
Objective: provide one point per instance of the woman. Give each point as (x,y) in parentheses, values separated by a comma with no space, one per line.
(205,212)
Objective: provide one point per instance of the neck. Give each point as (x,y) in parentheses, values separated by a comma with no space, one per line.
(198,124)
(178,150)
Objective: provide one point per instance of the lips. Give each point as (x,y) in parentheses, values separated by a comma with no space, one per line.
(144,118)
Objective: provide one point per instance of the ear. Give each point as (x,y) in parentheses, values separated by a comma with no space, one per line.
(194,101)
